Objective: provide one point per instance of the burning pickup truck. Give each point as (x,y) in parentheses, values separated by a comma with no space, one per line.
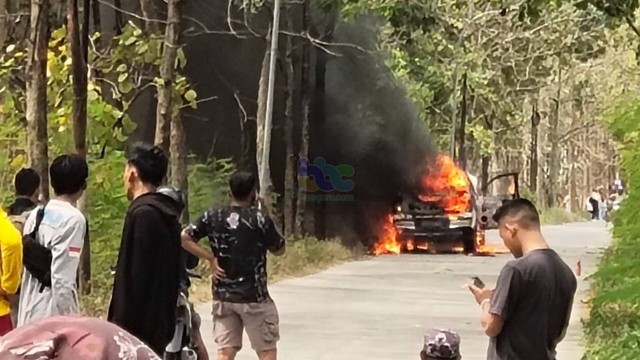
(449,214)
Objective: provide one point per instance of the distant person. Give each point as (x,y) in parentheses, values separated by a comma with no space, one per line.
(593,204)
(73,338)
(145,290)
(603,205)
(528,312)
(60,229)
(27,192)
(10,269)
(240,236)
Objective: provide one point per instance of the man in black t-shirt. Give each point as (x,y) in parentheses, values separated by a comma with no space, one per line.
(528,312)
(240,236)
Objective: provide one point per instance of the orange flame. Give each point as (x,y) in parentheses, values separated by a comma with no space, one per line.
(388,242)
(482,248)
(448,186)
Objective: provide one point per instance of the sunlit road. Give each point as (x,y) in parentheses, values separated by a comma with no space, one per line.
(379,309)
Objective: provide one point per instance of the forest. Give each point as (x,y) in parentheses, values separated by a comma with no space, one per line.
(526,86)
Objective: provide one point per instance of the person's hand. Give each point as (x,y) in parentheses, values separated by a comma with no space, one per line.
(263,205)
(217,272)
(480,294)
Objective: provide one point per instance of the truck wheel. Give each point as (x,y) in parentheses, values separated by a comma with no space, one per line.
(469,241)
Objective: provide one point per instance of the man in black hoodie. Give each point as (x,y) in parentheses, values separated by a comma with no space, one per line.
(146,284)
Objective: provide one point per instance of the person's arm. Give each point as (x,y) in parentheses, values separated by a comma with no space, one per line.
(497,305)
(11,250)
(274,240)
(65,250)
(189,239)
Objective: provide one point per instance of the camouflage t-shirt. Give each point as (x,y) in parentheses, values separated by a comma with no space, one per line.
(239,238)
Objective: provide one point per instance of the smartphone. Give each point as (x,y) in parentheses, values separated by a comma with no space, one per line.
(477,282)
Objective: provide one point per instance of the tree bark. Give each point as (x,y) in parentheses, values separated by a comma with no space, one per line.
(262,109)
(462,160)
(320,214)
(150,17)
(36,95)
(554,156)
(301,203)
(119,22)
(164,110)
(533,156)
(4,22)
(79,55)
(179,170)
(290,170)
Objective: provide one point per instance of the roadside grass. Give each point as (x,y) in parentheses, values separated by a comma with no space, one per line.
(613,327)
(304,256)
(559,216)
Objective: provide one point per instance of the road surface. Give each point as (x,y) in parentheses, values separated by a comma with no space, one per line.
(379,309)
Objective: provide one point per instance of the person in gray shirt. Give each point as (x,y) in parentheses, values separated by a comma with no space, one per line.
(527,314)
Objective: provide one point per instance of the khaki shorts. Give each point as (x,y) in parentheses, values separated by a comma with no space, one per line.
(260,320)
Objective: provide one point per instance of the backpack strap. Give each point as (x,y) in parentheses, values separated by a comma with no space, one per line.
(39,217)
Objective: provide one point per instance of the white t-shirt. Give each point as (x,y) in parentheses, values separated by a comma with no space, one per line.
(62,231)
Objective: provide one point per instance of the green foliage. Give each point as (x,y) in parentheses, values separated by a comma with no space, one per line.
(118,76)
(613,330)
(209,185)
(508,55)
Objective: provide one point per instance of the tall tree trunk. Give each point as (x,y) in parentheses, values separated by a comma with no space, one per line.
(117,15)
(533,156)
(179,169)
(4,22)
(79,56)
(95,15)
(454,108)
(150,17)
(262,109)
(554,156)
(320,215)
(290,170)
(486,161)
(301,204)
(264,164)
(164,110)
(36,96)
(462,160)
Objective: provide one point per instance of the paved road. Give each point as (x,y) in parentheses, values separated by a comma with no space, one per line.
(379,309)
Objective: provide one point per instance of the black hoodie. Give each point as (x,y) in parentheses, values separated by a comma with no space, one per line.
(146,284)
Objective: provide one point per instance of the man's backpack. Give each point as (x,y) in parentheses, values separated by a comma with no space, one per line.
(35,256)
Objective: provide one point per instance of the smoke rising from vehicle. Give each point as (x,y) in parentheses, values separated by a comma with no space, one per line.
(371,124)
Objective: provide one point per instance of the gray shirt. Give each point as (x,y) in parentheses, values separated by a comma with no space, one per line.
(533,296)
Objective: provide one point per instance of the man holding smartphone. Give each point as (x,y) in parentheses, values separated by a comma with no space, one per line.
(528,312)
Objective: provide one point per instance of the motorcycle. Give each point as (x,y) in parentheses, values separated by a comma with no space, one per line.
(183,345)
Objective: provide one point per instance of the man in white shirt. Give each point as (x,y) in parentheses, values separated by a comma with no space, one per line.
(62,232)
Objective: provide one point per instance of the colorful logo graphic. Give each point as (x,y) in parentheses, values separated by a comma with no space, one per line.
(320,176)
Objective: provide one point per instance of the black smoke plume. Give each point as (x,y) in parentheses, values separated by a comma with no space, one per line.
(372,125)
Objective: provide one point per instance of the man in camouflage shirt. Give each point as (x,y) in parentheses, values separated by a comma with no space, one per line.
(240,236)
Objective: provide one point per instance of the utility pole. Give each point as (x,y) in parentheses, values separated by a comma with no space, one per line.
(264,181)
